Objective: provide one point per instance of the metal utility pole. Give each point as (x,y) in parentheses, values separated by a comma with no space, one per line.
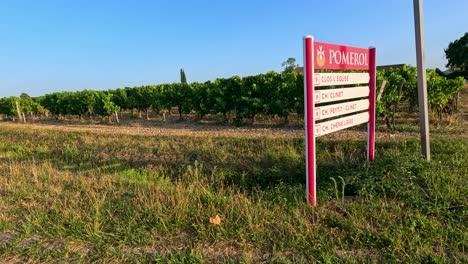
(422,86)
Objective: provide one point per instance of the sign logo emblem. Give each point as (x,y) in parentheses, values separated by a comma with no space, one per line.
(320,56)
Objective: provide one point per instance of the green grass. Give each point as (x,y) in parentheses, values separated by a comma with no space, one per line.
(90,197)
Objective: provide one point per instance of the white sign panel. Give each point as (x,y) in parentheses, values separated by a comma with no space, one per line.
(328,111)
(331,95)
(338,78)
(340,123)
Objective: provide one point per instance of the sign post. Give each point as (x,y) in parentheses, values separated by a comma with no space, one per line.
(332,108)
(309,119)
(422,85)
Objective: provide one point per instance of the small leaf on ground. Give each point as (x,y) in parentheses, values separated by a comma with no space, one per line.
(215,220)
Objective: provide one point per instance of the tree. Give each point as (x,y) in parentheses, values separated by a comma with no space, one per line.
(183,78)
(289,65)
(457,54)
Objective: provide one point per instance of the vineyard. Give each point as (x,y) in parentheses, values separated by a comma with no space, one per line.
(76,191)
(237,100)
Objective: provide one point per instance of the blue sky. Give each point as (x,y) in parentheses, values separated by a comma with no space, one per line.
(66,45)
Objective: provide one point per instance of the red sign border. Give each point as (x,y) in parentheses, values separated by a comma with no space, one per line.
(324,48)
(309,66)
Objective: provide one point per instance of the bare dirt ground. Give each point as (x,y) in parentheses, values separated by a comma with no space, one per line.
(197,130)
(174,129)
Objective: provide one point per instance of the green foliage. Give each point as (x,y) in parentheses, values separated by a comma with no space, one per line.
(8,106)
(457,53)
(202,101)
(238,98)
(104,105)
(158,102)
(402,87)
(145,97)
(252,97)
(179,95)
(52,102)
(37,107)
(440,90)
(80,103)
(289,65)
(131,98)
(26,103)
(120,99)
(86,101)
(183,78)
(228,97)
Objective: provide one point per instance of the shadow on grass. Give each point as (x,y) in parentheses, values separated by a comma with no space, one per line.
(247,164)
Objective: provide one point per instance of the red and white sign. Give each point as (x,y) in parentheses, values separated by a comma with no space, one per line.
(339,57)
(329,79)
(340,123)
(331,95)
(328,111)
(319,55)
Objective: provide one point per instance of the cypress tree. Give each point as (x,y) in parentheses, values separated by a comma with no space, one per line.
(183,79)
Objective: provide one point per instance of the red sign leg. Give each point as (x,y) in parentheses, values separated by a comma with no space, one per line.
(371,126)
(309,120)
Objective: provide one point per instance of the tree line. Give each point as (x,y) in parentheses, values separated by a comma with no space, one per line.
(236,99)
